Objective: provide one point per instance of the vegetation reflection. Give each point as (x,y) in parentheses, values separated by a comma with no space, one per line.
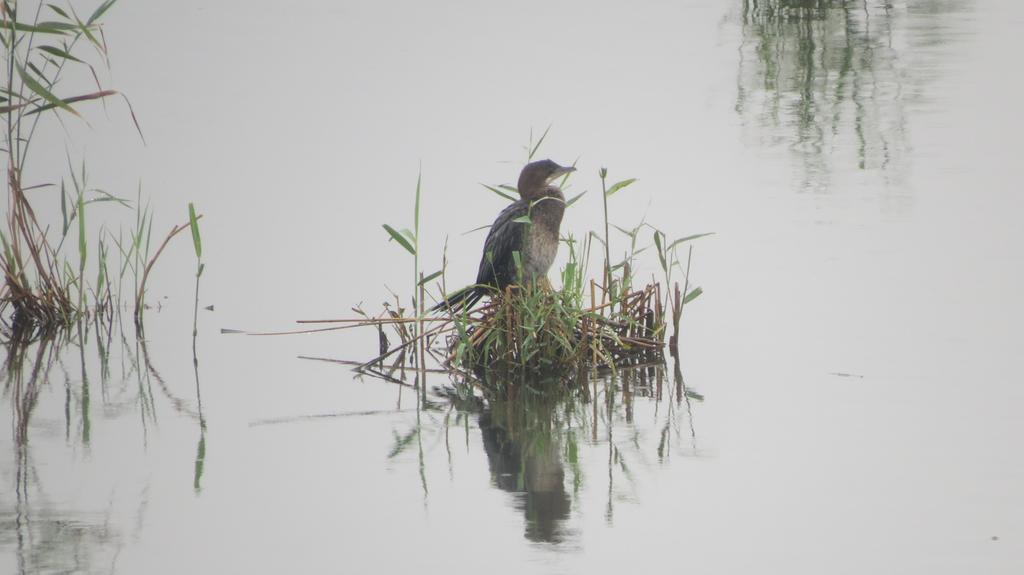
(833,80)
(78,380)
(540,445)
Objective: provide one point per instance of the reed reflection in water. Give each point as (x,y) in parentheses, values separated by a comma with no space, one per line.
(835,81)
(74,514)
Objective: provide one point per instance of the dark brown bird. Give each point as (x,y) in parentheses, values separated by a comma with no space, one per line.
(529,227)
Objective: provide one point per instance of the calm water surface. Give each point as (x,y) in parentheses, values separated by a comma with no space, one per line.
(848,395)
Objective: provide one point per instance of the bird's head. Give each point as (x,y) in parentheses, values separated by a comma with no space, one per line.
(536,176)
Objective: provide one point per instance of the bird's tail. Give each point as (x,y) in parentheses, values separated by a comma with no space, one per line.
(463,299)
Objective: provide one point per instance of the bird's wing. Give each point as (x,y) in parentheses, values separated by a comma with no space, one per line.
(497,266)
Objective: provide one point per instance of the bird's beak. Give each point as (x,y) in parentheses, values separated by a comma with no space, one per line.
(561,171)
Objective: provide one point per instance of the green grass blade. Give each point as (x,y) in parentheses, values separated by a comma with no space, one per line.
(398,237)
(60,11)
(82,246)
(618,186)
(430,277)
(539,142)
(63,207)
(628,233)
(100,10)
(149,233)
(59,53)
(86,30)
(193,222)
(105,196)
(500,193)
(38,88)
(694,294)
(416,220)
(661,251)
(73,99)
(101,268)
(574,199)
(476,229)
(688,238)
(58,28)
(33,68)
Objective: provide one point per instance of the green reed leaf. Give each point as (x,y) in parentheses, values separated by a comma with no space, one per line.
(82,246)
(193,222)
(574,199)
(100,10)
(53,50)
(688,238)
(430,277)
(499,192)
(539,142)
(416,221)
(661,251)
(694,294)
(398,237)
(618,186)
(58,28)
(38,88)
(60,11)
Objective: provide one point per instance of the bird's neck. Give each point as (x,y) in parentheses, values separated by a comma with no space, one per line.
(544,192)
(546,209)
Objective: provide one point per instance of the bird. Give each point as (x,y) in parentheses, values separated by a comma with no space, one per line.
(528,226)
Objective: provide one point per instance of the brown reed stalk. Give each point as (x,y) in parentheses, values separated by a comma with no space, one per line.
(141,294)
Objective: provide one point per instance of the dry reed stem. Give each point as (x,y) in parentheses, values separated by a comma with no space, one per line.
(149,266)
(404,345)
(362,322)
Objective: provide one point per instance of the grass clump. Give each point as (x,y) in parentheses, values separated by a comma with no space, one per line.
(526,328)
(540,330)
(537,330)
(48,269)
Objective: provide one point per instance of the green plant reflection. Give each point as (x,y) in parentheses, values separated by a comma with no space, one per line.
(834,81)
(539,445)
(60,410)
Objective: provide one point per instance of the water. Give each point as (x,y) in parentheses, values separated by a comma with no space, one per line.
(852,368)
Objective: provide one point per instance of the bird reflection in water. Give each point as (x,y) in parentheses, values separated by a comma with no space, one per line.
(524,453)
(532,440)
(539,436)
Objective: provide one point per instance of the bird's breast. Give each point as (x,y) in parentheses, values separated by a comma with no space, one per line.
(542,239)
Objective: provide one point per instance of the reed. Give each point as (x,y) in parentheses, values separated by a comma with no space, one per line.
(45,284)
(540,330)
(41,286)
(140,294)
(197,245)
